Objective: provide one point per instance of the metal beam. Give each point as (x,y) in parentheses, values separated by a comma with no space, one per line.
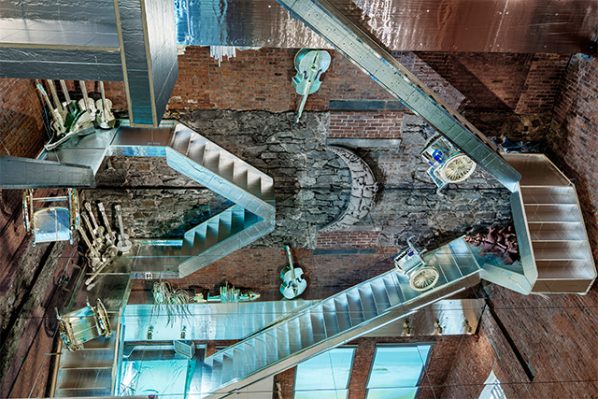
(146,33)
(29,62)
(20,173)
(385,70)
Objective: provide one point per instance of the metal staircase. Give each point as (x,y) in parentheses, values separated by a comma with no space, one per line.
(87,372)
(252,191)
(90,372)
(331,322)
(556,242)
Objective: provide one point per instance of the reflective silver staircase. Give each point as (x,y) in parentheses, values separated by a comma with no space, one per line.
(251,191)
(91,370)
(332,322)
(557,242)
(87,372)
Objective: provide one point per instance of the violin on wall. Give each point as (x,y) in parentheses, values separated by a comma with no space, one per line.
(310,65)
(293,283)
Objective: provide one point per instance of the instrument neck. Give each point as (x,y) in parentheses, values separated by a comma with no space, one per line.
(44,95)
(103,94)
(289,256)
(290,260)
(65,91)
(83,91)
(57,103)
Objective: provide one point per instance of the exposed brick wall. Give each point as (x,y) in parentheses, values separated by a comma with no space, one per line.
(508,95)
(502,81)
(261,79)
(348,239)
(542,83)
(574,137)
(21,134)
(21,125)
(26,286)
(555,337)
(259,269)
(503,94)
(373,125)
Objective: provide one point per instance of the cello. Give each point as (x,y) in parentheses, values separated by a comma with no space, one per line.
(293,283)
(310,65)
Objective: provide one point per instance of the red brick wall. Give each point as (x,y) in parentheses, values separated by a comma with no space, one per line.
(574,137)
(259,268)
(554,335)
(348,239)
(542,83)
(525,83)
(21,126)
(261,80)
(373,125)
(21,134)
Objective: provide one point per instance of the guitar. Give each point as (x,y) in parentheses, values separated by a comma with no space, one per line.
(57,121)
(310,65)
(94,256)
(104,118)
(293,284)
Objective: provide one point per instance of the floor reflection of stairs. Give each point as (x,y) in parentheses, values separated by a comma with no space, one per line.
(333,321)
(556,232)
(87,372)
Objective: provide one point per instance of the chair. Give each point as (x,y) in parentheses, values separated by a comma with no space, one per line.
(54,223)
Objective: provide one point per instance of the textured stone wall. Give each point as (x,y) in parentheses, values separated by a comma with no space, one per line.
(312,185)
(156,201)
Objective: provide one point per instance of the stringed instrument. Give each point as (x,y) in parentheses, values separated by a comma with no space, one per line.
(104,118)
(310,65)
(110,235)
(86,103)
(55,99)
(57,121)
(72,109)
(123,243)
(293,283)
